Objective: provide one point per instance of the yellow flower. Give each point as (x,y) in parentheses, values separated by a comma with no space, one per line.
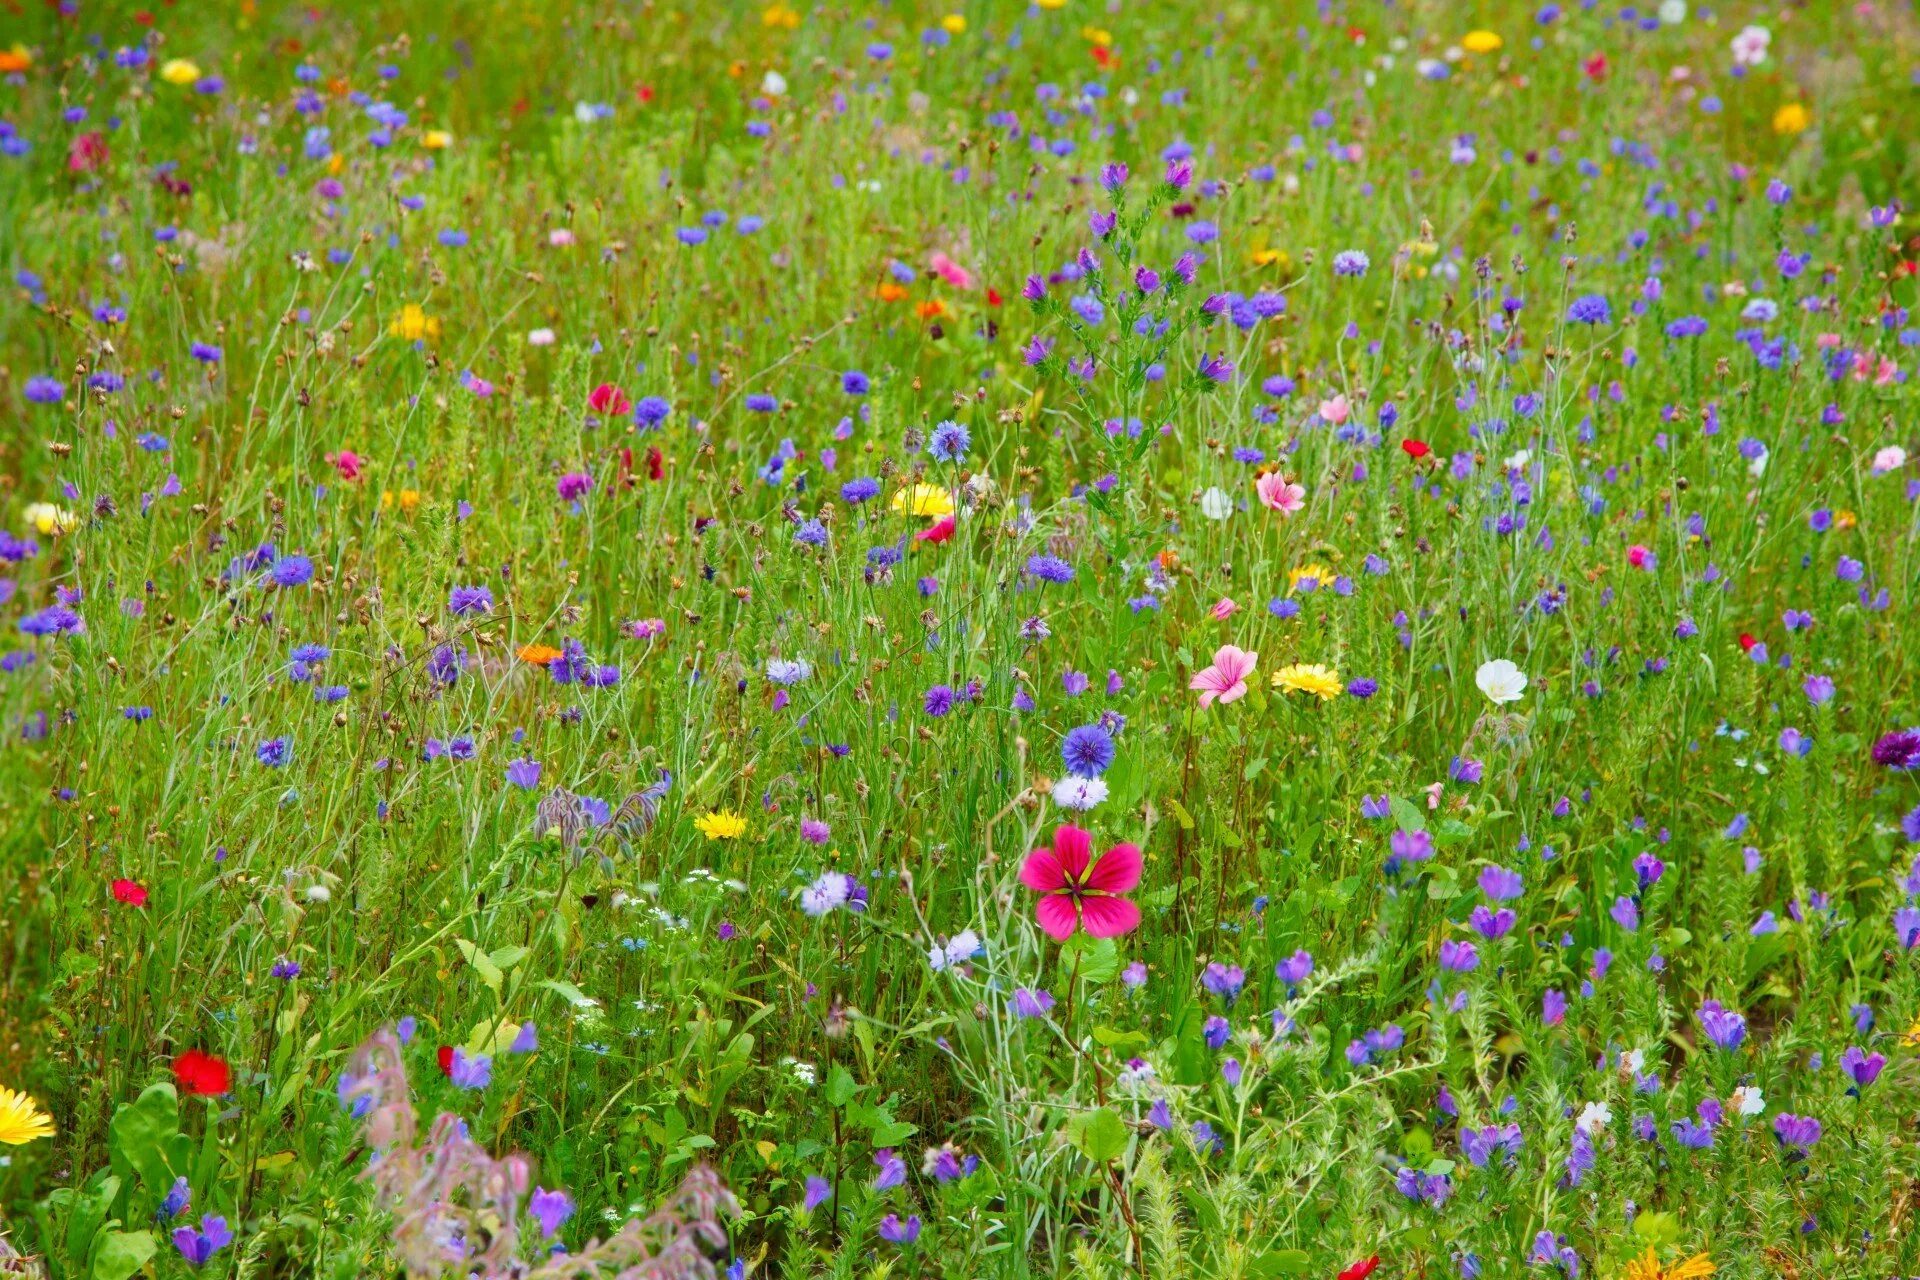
(954,24)
(1051,4)
(18,58)
(51,521)
(1482,42)
(179,71)
(1791,119)
(780,15)
(409,500)
(1096,35)
(436,140)
(1911,1037)
(928,500)
(1320,574)
(1273,258)
(1322,682)
(1647,1267)
(21,1119)
(1844,519)
(719,824)
(413,324)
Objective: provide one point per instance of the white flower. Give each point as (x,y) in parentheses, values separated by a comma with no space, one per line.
(319,893)
(831,890)
(1501,681)
(1633,1062)
(773,84)
(1518,461)
(1079,793)
(1758,467)
(1747,1100)
(1595,1115)
(1673,12)
(958,949)
(540,338)
(1750,46)
(1891,458)
(788,670)
(1216,503)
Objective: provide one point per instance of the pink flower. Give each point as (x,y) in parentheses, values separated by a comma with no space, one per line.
(607,398)
(1281,494)
(950,271)
(1075,895)
(1640,557)
(86,152)
(1226,679)
(347,462)
(1335,411)
(1226,608)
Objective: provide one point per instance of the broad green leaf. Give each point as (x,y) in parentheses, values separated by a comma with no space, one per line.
(1405,816)
(1098,1135)
(121,1253)
(571,994)
(482,964)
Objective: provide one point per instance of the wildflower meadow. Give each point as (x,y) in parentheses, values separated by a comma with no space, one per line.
(665,638)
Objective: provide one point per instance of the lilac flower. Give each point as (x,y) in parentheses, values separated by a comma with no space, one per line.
(550,1209)
(1861,1067)
(1224,980)
(197,1244)
(894,1231)
(1725,1028)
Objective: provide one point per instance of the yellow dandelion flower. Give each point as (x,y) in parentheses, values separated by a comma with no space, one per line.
(720,824)
(179,71)
(413,323)
(21,1119)
(1791,119)
(436,140)
(928,500)
(1911,1037)
(1303,677)
(953,24)
(1648,1267)
(50,521)
(1482,42)
(1319,573)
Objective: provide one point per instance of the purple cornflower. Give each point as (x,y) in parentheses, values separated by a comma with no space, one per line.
(462,601)
(274,752)
(1899,749)
(1087,751)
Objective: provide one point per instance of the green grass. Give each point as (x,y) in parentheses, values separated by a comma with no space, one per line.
(689,1010)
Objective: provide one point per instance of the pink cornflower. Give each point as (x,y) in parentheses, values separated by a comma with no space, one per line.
(1280,494)
(950,271)
(1226,679)
(1076,895)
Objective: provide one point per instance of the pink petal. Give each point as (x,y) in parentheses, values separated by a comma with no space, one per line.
(1074,848)
(1117,871)
(1041,872)
(1234,694)
(1109,917)
(1212,679)
(1055,914)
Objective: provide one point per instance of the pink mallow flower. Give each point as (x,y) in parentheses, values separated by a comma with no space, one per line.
(1074,894)
(1226,679)
(1280,494)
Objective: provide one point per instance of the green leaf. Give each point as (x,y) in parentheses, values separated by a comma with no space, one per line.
(572,994)
(893,1133)
(1180,814)
(482,964)
(1096,960)
(121,1253)
(840,1086)
(1253,769)
(145,1139)
(1098,1135)
(507,957)
(1407,817)
(1281,1262)
(1120,1041)
(1657,1229)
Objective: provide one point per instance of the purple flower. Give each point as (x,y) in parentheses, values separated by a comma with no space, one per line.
(524,773)
(274,752)
(1224,980)
(1029,1002)
(1725,1028)
(893,1170)
(475,1072)
(574,484)
(550,1209)
(1049,569)
(897,1232)
(196,1245)
(291,571)
(1087,751)
(1796,1133)
(1861,1067)
(1294,970)
(1899,749)
(1500,884)
(1459,957)
(1819,689)
(1590,308)
(43,390)
(462,601)
(819,1190)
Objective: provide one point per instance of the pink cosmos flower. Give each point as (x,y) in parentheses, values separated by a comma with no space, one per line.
(1225,608)
(1226,679)
(1281,494)
(950,271)
(607,398)
(1335,411)
(1076,895)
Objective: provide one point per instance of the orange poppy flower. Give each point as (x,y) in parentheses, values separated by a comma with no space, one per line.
(888,291)
(932,307)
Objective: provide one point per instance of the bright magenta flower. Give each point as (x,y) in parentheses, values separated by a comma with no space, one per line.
(1226,679)
(1074,894)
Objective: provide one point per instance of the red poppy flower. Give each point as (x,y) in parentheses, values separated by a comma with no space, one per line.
(129,892)
(656,465)
(939,532)
(445,1057)
(201,1074)
(1416,448)
(644,93)
(1747,642)
(1361,1269)
(1595,67)
(993,297)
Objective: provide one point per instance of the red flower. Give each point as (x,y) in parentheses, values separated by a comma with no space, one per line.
(201,1074)
(1361,1269)
(993,297)
(129,892)
(1747,642)
(644,93)
(446,1060)
(939,532)
(1415,448)
(1595,67)
(607,398)
(656,465)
